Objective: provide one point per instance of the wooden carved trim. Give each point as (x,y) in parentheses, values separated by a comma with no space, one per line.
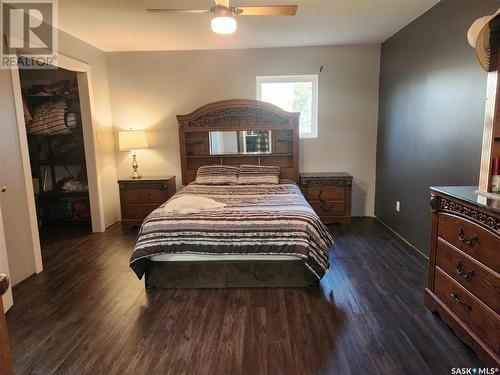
(151,185)
(347,183)
(485,220)
(231,113)
(236,116)
(434,202)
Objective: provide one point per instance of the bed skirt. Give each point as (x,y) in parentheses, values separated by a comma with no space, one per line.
(229,274)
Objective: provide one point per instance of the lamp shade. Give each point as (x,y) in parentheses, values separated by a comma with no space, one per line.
(132,140)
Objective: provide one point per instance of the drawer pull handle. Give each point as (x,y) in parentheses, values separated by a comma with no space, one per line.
(325,208)
(321,200)
(456,297)
(468,241)
(467,275)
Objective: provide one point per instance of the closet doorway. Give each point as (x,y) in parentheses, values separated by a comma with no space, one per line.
(58,148)
(52,114)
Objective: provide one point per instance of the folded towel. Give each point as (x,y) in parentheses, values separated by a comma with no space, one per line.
(72,120)
(188,204)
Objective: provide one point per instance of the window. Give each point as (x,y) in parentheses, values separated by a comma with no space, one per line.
(293,94)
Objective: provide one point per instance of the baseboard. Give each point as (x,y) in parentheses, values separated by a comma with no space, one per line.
(403,239)
(112,223)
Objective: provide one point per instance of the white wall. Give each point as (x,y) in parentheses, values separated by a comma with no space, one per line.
(75,48)
(148,89)
(14,206)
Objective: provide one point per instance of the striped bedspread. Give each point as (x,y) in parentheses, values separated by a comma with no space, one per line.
(257,220)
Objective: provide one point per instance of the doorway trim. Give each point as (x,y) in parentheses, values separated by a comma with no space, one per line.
(90,137)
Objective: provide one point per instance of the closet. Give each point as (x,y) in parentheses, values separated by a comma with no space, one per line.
(56,149)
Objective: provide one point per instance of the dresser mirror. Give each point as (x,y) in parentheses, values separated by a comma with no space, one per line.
(240,142)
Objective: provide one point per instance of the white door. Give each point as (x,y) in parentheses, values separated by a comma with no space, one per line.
(4,263)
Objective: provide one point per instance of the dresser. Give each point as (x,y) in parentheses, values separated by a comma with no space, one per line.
(139,197)
(329,194)
(464,264)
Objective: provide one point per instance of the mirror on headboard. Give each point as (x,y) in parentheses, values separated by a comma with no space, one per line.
(240,142)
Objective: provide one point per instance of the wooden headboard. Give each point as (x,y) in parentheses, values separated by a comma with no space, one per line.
(239,115)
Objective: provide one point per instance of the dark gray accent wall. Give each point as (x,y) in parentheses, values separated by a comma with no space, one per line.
(432,98)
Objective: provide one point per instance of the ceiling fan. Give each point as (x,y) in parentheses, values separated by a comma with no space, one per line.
(224,15)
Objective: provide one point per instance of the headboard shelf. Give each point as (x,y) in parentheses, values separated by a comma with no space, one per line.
(239,115)
(236,156)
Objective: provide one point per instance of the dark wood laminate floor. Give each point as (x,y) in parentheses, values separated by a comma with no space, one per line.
(88,314)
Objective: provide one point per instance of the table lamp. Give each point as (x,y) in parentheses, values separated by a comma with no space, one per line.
(132,140)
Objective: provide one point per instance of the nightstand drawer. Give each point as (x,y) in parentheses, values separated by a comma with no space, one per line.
(329,194)
(140,211)
(329,208)
(325,193)
(144,196)
(140,197)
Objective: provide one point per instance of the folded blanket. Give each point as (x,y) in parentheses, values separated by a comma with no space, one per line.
(49,118)
(187,204)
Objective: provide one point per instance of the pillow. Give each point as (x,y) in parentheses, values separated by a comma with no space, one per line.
(217,175)
(259,175)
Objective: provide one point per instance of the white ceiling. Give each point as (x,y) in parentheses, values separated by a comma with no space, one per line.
(124,25)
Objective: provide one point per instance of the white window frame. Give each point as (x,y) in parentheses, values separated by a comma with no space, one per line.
(313,78)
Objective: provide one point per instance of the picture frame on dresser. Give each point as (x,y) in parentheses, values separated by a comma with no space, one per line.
(141,196)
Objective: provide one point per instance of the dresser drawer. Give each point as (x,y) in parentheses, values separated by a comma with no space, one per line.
(139,211)
(471,238)
(482,320)
(144,196)
(325,193)
(329,208)
(477,279)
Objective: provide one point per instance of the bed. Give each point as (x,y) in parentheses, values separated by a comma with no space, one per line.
(265,235)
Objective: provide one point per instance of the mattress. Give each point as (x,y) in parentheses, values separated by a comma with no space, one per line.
(217,257)
(256,220)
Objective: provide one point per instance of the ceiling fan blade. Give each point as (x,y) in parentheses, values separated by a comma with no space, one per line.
(222,3)
(177,10)
(271,10)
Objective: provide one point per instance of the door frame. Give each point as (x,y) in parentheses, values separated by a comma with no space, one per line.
(90,138)
(4,262)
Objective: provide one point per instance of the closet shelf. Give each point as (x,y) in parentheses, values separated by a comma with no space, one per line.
(51,97)
(61,162)
(69,220)
(57,194)
(77,130)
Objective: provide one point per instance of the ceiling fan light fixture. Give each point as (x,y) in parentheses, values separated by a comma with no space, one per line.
(223,25)
(223,21)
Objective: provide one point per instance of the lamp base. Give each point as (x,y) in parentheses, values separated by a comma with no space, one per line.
(135,175)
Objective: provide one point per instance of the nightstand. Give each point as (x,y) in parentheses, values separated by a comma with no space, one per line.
(139,197)
(329,194)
